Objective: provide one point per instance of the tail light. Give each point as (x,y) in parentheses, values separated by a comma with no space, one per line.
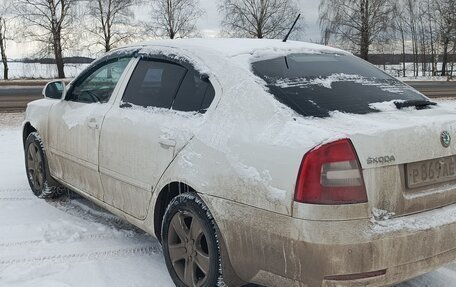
(331,174)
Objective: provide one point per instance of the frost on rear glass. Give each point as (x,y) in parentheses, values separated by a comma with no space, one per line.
(317,84)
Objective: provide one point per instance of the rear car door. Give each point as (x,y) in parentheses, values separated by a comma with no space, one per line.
(75,124)
(143,132)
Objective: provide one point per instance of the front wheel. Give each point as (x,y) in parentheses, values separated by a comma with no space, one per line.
(40,181)
(190,245)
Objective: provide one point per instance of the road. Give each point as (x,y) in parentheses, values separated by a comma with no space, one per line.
(435,89)
(15,97)
(16,94)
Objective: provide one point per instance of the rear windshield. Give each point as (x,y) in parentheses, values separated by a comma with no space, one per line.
(317,84)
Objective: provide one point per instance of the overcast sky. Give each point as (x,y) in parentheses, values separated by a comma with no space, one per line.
(209,24)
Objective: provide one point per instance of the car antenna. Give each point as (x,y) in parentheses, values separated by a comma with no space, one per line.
(291,30)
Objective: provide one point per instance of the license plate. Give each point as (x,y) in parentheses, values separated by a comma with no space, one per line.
(431,171)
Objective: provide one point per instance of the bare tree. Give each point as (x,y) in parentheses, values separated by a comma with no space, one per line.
(174,18)
(447,27)
(409,18)
(4,11)
(258,18)
(426,30)
(431,23)
(112,19)
(46,22)
(360,22)
(326,37)
(3,47)
(399,26)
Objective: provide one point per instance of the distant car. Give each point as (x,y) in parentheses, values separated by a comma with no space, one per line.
(255,161)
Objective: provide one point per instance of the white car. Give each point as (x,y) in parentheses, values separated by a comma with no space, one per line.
(256,161)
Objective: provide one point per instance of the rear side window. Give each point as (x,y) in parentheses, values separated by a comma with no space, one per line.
(317,84)
(195,94)
(163,84)
(154,84)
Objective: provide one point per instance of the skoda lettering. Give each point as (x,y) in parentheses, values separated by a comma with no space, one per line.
(381,159)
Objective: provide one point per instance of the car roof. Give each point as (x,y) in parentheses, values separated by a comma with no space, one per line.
(231,47)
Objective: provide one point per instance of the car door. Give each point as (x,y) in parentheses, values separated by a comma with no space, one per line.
(141,135)
(75,124)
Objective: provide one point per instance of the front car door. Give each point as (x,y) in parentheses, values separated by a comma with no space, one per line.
(145,132)
(75,124)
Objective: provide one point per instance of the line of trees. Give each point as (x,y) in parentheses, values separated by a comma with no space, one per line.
(424,28)
(60,25)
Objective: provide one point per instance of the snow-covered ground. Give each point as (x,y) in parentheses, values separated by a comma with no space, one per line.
(72,243)
(396,71)
(67,242)
(19,70)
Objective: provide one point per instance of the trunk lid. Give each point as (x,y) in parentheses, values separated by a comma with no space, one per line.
(407,166)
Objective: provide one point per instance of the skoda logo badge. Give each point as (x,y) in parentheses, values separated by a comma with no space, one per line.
(445,139)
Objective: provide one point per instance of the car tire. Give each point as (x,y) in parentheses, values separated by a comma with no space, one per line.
(190,244)
(36,164)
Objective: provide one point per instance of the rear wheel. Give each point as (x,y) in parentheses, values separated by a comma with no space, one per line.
(190,244)
(40,181)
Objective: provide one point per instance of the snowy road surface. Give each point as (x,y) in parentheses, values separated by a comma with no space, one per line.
(73,243)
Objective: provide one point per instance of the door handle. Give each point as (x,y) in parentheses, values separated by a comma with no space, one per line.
(167,143)
(93,124)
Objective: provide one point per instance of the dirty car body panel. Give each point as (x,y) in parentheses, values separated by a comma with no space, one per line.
(246,148)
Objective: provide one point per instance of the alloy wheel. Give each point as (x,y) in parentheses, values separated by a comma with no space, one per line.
(188,249)
(35,166)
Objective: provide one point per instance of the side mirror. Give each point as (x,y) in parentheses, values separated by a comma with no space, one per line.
(54,90)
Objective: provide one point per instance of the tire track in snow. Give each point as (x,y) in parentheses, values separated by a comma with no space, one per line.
(84,209)
(68,258)
(16,194)
(16,198)
(19,190)
(20,243)
(100,236)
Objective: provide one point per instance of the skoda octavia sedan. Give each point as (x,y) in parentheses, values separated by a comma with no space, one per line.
(256,161)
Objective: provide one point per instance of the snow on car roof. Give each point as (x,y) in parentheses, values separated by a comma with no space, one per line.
(241,52)
(231,47)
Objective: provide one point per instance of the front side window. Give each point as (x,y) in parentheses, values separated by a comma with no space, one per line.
(98,86)
(317,84)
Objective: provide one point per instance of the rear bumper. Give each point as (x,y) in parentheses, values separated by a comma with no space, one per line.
(276,250)
(398,274)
